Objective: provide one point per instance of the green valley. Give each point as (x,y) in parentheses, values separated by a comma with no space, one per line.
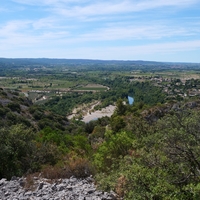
(147,150)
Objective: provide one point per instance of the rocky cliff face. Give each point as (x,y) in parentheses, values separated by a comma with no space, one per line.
(45,189)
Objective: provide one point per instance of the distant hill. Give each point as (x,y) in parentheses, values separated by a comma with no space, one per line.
(50,61)
(85,64)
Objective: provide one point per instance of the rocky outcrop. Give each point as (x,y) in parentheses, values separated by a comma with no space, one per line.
(45,189)
(153,114)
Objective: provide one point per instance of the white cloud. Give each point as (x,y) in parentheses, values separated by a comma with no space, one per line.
(146,52)
(167,47)
(45,23)
(48,2)
(153,51)
(11,27)
(79,28)
(131,32)
(116,7)
(16,35)
(50,29)
(78,8)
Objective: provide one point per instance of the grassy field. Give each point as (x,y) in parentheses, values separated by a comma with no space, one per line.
(92,87)
(41,86)
(178,74)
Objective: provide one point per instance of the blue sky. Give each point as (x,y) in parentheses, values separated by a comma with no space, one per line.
(156,30)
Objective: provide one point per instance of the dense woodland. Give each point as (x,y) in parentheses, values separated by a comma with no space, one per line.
(148,150)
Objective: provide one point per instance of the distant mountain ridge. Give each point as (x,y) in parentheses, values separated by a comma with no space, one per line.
(80,61)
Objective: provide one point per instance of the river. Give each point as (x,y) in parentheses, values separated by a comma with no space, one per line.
(130,100)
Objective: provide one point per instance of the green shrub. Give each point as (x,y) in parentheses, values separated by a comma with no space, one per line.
(11,116)
(16,147)
(14,106)
(37,115)
(112,150)
(2,112)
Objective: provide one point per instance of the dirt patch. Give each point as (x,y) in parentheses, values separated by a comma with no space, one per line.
(108,111)
(88,114)
(95,85)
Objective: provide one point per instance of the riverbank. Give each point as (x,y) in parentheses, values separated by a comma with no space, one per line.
(108,111)
(88,114)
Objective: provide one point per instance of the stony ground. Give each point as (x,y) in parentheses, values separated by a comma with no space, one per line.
(44,189)
(108,111)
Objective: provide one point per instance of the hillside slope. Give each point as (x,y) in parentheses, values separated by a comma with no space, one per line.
(15,109)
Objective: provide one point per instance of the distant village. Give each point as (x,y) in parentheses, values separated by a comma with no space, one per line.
(176,88)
